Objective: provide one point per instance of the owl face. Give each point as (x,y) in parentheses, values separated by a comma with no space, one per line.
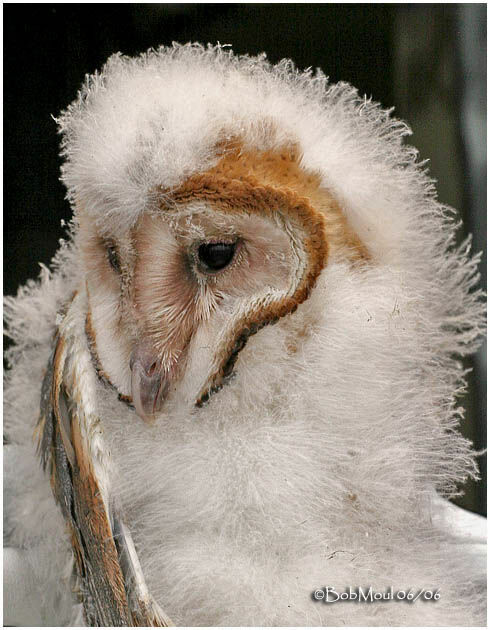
(210,264)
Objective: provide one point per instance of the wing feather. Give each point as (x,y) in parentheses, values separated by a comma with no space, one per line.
(111,584)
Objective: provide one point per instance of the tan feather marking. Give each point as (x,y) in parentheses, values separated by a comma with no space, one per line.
(246,194)
(281,169)
(268,183)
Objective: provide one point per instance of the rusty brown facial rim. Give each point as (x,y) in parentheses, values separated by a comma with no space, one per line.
(240,195)
(101,374)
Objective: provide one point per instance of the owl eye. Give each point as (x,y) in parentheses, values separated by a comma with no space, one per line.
(113,258)
(216,256)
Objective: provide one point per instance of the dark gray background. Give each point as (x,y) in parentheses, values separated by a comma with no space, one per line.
(427,60)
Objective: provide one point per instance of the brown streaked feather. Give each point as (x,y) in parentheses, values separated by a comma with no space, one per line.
(100,560)
(45,425)
(108,590)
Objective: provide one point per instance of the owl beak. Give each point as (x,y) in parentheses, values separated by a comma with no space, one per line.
(149,383)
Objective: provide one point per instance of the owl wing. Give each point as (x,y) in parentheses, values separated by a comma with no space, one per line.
(110,581)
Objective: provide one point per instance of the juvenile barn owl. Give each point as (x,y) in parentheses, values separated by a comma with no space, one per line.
(206,466)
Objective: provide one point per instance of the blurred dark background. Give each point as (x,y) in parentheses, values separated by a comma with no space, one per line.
(428,60)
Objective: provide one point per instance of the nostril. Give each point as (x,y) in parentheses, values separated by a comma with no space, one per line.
(152,369)
(145,359)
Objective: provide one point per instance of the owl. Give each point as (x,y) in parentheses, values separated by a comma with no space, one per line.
(232,398)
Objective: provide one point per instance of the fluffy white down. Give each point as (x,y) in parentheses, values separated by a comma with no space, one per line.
(311,468)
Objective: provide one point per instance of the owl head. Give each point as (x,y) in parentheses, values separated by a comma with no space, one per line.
(212,193)
(229,231)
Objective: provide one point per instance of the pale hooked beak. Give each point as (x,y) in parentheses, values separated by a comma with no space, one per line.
(150,382)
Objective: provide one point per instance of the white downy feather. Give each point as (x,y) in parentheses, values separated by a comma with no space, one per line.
(307,470)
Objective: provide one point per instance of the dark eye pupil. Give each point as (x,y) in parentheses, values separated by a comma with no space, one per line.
(216,256)
(113,258)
